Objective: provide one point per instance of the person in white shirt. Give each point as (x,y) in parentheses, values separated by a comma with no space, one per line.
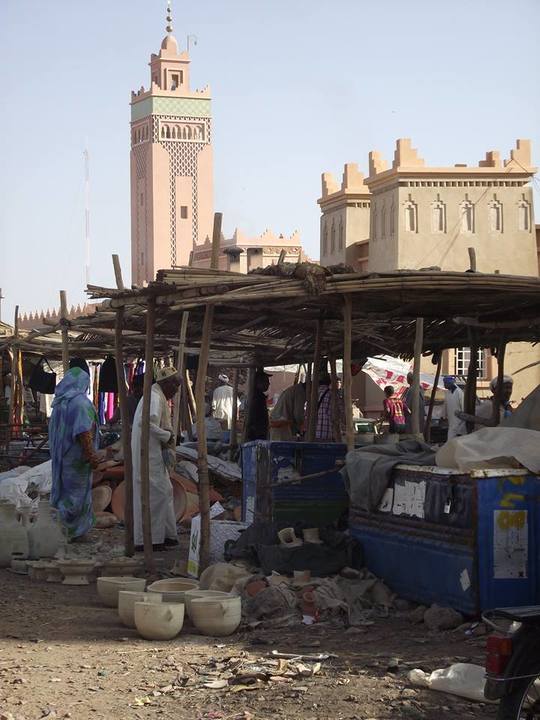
(222,401)
(453,403)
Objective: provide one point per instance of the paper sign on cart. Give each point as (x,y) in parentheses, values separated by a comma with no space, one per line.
(195,539)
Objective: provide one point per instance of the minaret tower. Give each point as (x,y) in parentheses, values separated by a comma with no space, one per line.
(171,164)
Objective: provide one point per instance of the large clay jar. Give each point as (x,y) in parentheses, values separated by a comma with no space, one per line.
(158,621)
(126,604)
(216,616)
(45,534)
(173,590)
(13,536)
(191,595)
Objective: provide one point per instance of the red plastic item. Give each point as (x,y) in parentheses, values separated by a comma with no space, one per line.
(499,652)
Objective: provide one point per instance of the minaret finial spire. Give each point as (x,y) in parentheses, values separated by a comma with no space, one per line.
(169,27)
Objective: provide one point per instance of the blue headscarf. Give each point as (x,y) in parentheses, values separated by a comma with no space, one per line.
(73,414)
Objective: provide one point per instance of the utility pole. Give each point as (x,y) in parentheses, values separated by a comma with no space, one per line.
(87,211)
(1,298)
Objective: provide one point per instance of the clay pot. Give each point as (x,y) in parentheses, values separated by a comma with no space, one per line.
(45,534)
(121,567)
(19,563)
(75,572)
(173,590)
(37,570)
(191,595)
(109,587)
(288,537)
(101,498)
(13,536)
(53,574)
(216,617)
(158,621)
(311,535)
(126,604)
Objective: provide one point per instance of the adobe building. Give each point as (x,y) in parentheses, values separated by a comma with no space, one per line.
(172,177)
(419,216)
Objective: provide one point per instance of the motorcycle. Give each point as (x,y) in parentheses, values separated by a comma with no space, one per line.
(513,662)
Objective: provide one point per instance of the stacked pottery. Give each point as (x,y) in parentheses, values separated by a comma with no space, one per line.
(109,587)
(13,536)
(126,604)
(173,590)
(45,534)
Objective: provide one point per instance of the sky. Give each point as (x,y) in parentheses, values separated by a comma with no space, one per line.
(299,87)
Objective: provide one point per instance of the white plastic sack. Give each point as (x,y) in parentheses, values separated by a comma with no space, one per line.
(462,679)
(40,476)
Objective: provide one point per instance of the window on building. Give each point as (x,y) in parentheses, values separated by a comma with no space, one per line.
(175,81)
(495,215)
(142,198)
(324,240)
(411,215)
(463,358)
(333,238)
(392,219)
(340,236)
(438,216)
(467,216)
(383,221)
(524,215)
(183,212)
(373,221)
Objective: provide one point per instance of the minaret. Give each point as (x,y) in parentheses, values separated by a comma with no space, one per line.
(171,164)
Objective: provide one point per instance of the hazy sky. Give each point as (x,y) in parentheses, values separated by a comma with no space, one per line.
(298,87)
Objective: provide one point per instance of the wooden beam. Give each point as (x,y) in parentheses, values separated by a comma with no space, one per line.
(334,402)
(501,350)
(234,422)
(180,368)
(124,415)
(145,437)
(65,335)
(427,425)
(216,240)
(14,356)
(415,388)
(472,374)
(472,259)
(347,379)
(314,394)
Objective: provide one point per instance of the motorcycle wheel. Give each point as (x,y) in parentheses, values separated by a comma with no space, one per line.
(523,703)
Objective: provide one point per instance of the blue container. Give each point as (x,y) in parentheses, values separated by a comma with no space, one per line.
(472,543)
(265,464)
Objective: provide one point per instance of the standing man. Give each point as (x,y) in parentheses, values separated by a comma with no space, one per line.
(421,406)
(485,410)
(453,403)
(287,416)
(257,427)
(222,401)
(162,446)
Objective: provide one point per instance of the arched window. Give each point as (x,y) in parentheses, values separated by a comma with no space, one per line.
(438,216)
(411,215)
(392,219)
(324,240)
(340,237)
(495,210)
(383,221)
(333,238)
(524,215)
(467,216)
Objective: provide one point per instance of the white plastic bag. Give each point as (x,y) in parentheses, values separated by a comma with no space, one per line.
(462,679)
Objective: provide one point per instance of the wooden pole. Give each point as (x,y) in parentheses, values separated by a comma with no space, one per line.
(472,374)
(334,402)
(250,389)
(501,350)
(472,259)
(347,379)
(234,421)
(427,425)
(124,415)
(216,240)
(65,337)
(191,410)
(180,368)
(314,390)
(200,388)
(14,373)
(145,435)
(415,388)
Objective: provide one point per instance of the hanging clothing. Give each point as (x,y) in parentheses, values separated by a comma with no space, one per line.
(72,441)
(323,430)
(161,495)
(287,416)
(453,402)
(222,404)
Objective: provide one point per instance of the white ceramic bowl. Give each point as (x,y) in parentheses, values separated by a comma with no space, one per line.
(158,621)
(126,604)
(216,617)
(191,595)
(173,590)
(109,587)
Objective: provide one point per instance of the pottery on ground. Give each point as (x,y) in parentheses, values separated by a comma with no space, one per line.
(191,595)
(37,570)
(311,535)
(75,572)
(158,621)
(13,535)
(126,604)
(45,534)
(53,572)
(121,567)
(101,497)
(173,590)
(109,587)
(287,537)
(216,617)
(19,563)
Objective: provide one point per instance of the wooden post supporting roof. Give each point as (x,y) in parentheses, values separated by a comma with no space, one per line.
(145,435)
(501,350)
(415,389)
(314,390)
(427,424)
(182,390)
(347,379)
(234,422)
(65,336)
(124,415)
(335,409)
(472,374)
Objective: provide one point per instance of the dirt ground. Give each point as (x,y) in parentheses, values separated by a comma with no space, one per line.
(64,655)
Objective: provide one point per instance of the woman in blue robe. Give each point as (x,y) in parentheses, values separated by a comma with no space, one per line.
(73,442)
